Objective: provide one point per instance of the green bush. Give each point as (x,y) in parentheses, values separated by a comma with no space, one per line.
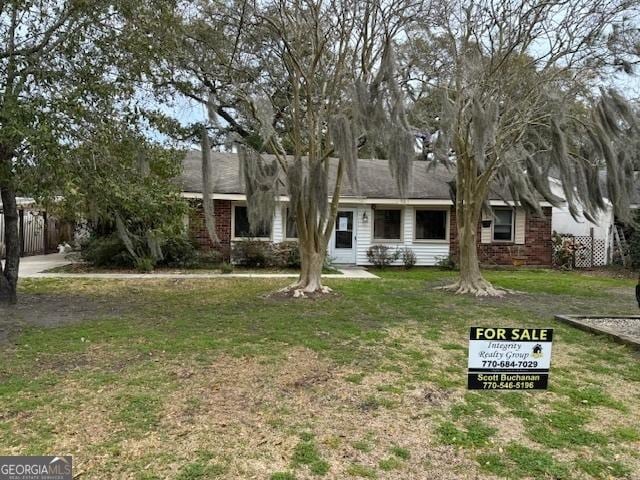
(109,251)
(634,245)
(106,251)
(179,252)
(226,267)
(145,264)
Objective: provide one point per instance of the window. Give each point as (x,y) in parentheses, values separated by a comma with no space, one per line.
(431,224)
(241,227)
(503,225)
(291,229)
(387,224)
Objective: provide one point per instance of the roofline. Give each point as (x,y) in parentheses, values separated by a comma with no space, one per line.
(361,200)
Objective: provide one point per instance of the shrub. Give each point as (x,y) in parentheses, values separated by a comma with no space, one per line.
(145,264)
(285,255)
(446,263)
(252,253)
(633,250)
(226,267)
(109,251)
(564,251)
(106,251)
(258,253)
(179,252)
(210,258)
(409,258)
(382,255)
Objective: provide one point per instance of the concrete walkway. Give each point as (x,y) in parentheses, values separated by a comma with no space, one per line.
(33,267)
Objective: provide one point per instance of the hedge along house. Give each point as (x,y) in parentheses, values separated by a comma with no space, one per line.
(424,221)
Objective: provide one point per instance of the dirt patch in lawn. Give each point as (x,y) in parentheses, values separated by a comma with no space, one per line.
(248,417)
(53,311)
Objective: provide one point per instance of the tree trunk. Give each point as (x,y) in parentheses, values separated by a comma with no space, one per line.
(470,194)
(311,264)
(471,279)
(9,277)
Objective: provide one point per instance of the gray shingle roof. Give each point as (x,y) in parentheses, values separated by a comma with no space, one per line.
(374,176)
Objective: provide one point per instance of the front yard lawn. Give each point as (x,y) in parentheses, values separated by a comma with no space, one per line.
(201,379)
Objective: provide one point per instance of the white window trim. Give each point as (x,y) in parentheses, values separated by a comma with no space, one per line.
(432,240)
(233,226)
(373,225)
(284,212)
(513,227)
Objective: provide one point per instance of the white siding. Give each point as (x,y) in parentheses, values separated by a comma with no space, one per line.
(521,219)
(563,222)
(277,227)
(485,232)
(363,235)
(427,253)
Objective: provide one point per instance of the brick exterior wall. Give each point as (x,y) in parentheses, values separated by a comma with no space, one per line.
(198,229)
(537,248)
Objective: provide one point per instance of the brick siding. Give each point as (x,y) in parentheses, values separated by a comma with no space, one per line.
(537,248)
(198,229)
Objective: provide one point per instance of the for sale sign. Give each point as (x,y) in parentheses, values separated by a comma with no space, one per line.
(509,358)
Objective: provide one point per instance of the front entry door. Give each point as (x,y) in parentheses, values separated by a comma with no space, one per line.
(344,239)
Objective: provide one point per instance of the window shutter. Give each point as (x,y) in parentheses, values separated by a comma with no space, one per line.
(521,220)
(485,232)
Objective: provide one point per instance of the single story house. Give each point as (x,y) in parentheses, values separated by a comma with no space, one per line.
(375,215)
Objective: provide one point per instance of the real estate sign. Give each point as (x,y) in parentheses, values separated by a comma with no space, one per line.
(509,358)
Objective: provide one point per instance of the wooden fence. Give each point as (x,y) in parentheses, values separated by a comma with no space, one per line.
(39,233)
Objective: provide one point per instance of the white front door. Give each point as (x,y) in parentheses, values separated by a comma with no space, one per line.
(343,243)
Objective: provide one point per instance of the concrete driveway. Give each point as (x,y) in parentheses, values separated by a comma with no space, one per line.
(31,266)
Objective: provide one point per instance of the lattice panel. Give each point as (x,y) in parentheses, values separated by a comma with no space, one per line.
(589,252)
(599,252)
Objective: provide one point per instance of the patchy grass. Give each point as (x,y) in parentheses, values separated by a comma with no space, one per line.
(306,453)
(195,379)
(361,471)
